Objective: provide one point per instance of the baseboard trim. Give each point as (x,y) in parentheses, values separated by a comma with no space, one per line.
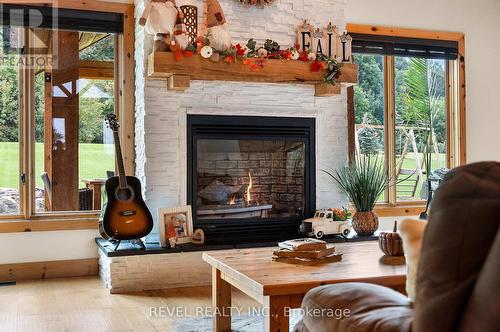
(50,269)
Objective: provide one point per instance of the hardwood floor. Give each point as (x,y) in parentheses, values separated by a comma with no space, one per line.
(83,304)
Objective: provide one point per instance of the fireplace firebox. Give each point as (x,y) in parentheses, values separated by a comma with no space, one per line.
(250,179)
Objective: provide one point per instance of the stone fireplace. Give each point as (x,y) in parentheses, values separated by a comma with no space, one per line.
(163,132)
(250,176)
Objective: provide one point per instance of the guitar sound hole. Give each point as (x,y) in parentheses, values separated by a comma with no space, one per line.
(124,194)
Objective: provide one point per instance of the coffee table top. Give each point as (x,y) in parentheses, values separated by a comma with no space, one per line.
(254,272)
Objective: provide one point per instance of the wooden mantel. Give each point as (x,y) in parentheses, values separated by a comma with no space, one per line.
(179,73)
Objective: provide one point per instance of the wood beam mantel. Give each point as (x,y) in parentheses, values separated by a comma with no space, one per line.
(162,65)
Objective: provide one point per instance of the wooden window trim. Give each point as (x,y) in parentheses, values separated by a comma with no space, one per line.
(456,108)
(388,210)
(390,125)
(351,123)
(460,72)
(125,102)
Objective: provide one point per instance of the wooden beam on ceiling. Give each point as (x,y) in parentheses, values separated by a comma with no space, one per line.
(88,39)
(97,70)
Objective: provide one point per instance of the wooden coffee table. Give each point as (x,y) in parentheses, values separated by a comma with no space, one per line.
(279,286)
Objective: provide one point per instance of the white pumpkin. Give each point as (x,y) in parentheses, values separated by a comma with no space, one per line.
(206,52)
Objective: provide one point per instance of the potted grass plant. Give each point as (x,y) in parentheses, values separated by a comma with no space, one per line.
(363,180)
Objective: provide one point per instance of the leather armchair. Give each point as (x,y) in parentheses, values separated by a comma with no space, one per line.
(458,280)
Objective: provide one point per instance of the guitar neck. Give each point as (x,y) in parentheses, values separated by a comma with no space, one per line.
(119,159)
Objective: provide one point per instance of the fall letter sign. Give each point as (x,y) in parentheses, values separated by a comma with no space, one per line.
(327,41)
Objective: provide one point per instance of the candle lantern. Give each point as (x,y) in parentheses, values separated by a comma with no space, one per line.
(191,22)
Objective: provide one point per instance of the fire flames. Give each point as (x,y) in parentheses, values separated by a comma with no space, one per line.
(250,185)
(232,200)
(235,199)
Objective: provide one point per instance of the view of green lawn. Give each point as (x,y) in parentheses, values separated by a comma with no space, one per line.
(94,161)
(438,161)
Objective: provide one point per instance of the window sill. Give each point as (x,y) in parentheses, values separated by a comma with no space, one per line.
(48,224)
(387,210)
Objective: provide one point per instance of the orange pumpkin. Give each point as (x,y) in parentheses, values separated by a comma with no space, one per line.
(391,243)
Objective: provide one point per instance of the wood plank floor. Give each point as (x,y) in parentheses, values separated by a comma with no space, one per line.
(83,304)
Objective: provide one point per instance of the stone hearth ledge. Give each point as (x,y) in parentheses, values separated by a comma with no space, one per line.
(129,269)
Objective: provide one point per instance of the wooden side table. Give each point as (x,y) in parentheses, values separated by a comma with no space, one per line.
(95,185)
(281,286)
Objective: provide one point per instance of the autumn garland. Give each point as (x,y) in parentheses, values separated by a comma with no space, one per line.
(255,57)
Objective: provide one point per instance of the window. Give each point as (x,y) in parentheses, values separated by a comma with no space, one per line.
(9,130)
(420,105)
(369,108)
(73,146)
(406,108)
(57,84)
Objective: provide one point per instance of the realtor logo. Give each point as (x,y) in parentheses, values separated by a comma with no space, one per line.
(28,36)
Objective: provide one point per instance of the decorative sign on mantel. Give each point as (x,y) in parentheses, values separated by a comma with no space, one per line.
(325,41)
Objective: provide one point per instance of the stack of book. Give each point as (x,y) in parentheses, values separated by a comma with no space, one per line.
(305,251)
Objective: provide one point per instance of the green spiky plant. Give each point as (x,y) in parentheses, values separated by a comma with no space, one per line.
(363,180)
(422,100)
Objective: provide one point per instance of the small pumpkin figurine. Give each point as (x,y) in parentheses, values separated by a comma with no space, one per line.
(391,243)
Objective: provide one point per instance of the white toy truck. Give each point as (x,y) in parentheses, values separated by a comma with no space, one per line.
(323,223)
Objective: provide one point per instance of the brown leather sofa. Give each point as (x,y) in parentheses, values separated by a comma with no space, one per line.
(458,278)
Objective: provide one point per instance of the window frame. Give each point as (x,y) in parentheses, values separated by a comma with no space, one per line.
(455,111)
(124,67)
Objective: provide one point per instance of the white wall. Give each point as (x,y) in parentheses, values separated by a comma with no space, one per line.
(47,246)
(480,22)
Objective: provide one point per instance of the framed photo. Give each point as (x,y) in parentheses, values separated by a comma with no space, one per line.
(175,225)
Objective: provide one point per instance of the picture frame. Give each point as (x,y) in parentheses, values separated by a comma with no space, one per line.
(175,226)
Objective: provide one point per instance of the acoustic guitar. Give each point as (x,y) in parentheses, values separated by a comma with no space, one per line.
(124,216)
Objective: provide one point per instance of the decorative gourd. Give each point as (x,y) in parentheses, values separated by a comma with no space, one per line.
(391,243)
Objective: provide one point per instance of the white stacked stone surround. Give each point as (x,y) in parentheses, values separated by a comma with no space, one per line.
(161,114)
(156,271)
(161,117)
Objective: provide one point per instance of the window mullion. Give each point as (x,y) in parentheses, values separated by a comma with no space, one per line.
(22,131)
(390,126)
(452,127)
(450,146)
(27,130)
